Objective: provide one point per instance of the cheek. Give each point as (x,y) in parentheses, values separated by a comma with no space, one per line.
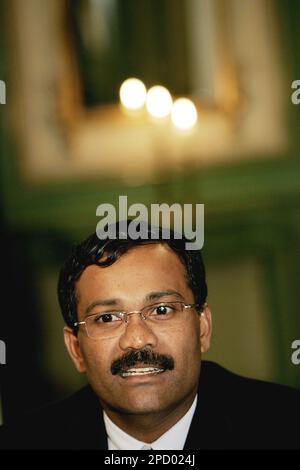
(96,356)
(183,345)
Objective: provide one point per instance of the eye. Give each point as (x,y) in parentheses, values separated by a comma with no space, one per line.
(163,310)
(107,317)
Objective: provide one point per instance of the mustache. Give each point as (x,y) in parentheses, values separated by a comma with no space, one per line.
(146,356)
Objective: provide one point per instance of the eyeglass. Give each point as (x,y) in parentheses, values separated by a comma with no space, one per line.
(109,324)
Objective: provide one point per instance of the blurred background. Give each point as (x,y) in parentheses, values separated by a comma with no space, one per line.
(68,144)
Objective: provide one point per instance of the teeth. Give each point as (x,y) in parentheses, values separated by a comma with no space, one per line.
(141,371)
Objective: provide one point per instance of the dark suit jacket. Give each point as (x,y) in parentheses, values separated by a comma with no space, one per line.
(232,412)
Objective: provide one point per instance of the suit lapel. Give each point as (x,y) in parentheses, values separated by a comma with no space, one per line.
(88,429)
(211,426)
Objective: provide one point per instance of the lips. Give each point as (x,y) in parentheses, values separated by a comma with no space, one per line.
(136,371)
(141,369)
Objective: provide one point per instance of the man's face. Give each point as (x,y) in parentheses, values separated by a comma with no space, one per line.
(145,270)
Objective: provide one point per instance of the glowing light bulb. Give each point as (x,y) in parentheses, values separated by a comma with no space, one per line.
(133,93)
(184,114)
(159,102)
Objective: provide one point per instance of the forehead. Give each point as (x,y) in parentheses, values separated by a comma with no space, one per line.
(145,268)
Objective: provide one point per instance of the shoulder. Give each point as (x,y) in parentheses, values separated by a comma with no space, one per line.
(215,375)
(261,414)
(60,425)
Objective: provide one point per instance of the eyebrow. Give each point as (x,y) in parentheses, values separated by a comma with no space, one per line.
(155,295)
(164,293)
(101,303)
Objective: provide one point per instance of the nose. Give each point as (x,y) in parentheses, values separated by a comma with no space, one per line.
(137,334)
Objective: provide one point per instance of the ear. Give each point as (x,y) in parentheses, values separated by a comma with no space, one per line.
(205,328)
(73,347)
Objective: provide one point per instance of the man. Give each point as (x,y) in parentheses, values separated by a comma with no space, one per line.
(137,323)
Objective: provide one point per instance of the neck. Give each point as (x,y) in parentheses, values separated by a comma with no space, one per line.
(149,427)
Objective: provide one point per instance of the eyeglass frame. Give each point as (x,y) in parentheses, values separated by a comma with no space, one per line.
(124,314)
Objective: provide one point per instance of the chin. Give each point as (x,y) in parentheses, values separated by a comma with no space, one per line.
(142,407)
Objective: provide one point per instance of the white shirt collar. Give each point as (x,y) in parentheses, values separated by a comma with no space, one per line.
(173,439)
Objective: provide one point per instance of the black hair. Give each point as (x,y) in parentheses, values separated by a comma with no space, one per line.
(92,250)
